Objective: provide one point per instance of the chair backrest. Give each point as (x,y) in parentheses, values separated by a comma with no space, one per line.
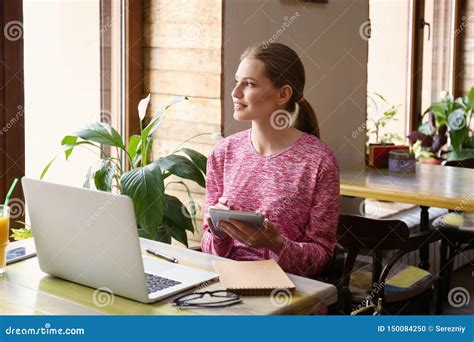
(358,232)
(355,233)
(466,163)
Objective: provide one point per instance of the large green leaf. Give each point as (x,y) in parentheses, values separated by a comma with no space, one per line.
(177,219)
(176,212)
(177,233)
(132,147)
(458,137)
(101,133)
(192,205)
(146,188)
(198,159)
(182,167)
(163,234)
(104,175)
(153,125)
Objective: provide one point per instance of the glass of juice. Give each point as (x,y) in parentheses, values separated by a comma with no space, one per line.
(4,231)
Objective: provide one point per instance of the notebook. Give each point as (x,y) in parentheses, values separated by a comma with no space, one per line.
(252,277)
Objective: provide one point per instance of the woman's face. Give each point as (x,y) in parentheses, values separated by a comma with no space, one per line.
(254,96)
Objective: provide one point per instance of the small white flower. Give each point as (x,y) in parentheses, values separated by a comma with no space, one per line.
(142,106)
(443,94)
(216,136)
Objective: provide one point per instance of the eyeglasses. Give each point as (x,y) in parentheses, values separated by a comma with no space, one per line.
(208,299)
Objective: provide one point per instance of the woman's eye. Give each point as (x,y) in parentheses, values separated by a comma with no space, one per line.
(248,84)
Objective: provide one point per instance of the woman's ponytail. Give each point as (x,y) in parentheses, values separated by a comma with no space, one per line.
(306,120)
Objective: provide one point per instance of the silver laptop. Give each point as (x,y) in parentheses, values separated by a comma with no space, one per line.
(91,238)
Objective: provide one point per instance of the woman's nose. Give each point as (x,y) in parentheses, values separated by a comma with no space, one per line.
(236,92)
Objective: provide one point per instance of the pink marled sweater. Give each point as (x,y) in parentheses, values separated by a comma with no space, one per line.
(296,189)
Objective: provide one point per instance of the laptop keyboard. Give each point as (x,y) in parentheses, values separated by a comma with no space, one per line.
(155,283)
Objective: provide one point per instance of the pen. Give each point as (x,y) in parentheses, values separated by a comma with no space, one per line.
(161,255)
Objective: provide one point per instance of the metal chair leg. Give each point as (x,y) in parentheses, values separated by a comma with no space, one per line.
(442,286)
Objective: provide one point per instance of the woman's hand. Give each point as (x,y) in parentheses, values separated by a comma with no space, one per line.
(267,237)
(223,203)
(219,233)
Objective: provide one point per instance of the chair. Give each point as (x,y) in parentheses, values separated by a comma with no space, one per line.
(453,241)
(403,289)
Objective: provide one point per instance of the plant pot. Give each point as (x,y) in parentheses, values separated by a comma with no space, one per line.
(401,161)
(432,161)
(378,154)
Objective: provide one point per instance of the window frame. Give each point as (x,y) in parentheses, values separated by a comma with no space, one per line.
(133,74)
(12,101)
(416,70)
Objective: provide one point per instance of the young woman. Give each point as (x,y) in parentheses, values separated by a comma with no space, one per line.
(279,168)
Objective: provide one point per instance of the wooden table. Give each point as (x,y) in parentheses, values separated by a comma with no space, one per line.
(431,186)
(25,290)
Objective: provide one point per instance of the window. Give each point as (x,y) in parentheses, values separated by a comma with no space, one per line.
(388,65)
(76,73)
(64,64)
(438,50)
(62,84)
(411,60)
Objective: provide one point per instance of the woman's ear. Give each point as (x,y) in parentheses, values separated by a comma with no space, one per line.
(285,95)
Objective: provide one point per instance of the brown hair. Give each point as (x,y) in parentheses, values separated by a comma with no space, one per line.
(284,67)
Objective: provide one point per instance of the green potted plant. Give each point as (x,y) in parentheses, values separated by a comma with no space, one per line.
(380,120)
(447,117)
(430,140)
(378,151)
(160,216)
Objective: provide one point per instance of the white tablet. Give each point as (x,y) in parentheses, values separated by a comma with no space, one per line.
(251,218)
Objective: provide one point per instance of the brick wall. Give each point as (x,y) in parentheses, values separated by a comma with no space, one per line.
(182,56)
